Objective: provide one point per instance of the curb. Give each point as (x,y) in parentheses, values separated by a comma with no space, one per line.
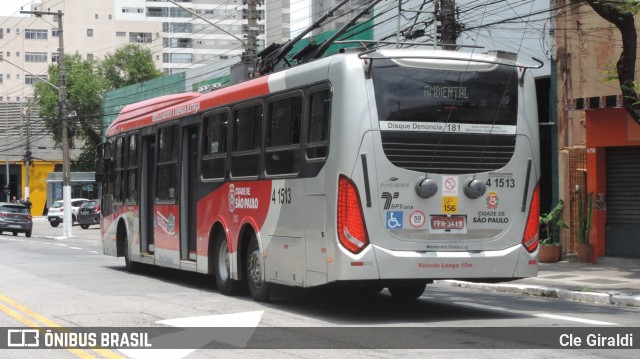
(626,299)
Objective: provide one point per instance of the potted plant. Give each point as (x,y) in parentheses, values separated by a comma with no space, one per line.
(585,219)
(549,248)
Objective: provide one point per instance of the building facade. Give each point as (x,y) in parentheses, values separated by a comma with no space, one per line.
(598,143)
(207,32)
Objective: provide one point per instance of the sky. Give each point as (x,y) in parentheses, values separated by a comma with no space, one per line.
(9,8)
(529,43)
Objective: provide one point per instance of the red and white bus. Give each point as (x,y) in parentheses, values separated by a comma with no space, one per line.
(384,169)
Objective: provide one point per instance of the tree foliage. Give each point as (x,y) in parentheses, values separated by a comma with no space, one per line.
(86,81)
(621,14)
(128,65)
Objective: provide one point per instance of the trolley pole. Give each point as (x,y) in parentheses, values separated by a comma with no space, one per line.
(64,120)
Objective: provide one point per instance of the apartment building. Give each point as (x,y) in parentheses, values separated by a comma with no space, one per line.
(207,32)
(342,16)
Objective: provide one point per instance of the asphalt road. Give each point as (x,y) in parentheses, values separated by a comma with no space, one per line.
(51,282)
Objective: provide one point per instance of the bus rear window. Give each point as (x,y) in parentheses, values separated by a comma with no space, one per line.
(416,95)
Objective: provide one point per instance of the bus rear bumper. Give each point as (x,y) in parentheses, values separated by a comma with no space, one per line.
(512,262)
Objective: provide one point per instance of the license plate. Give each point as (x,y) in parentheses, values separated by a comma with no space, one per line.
(14,226)
(448,224)
(84,211)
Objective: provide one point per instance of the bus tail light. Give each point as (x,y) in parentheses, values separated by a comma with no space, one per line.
(352,231)
(530,237)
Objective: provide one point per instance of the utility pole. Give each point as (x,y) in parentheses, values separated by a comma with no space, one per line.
(252,35)
(27,155)
(64,120)
(448,29)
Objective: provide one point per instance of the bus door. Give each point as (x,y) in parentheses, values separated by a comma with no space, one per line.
(188,198)
(147,194)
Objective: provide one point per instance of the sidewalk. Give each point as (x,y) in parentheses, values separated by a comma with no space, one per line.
(611,281)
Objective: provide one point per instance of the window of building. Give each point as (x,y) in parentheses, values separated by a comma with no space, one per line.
(55,56)
(96,16)
(1,33)
(132,10)
(177,58)
(17,76)
(36,34)
(109,16)
(35,57)
(1,55)
(121,33)
(17,53)
(17,31)
(33,79)
(8,76)
(177,43)
(1,78)
(90,57)
(140,37)
(157,12)
(55,33)
(89,32)
(179,12)
(167,172)
(177,27)
(214,145)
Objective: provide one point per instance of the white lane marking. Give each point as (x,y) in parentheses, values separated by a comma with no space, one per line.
(542,315)
(482,306)
(573,319)
(246,320)
(75,247)
(62,245)
(96,252)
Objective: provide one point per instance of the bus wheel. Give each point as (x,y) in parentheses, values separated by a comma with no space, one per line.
(258,288)
(131,266)
(407,292)
(222,267)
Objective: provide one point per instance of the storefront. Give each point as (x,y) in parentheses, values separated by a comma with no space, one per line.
(613,170)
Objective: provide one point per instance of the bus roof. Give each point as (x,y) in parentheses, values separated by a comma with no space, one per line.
(169,107)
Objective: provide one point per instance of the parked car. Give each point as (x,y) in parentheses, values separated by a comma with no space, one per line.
(15,218)
(89,213)
(55,213)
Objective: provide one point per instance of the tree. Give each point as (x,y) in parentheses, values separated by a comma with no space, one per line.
(621,13)
(86,82)
(128,65)
(84,97)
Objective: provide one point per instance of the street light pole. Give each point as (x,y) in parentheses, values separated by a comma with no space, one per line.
(64,120)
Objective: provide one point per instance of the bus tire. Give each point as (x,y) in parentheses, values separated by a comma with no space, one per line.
(130,265)
(84,226)
(407,292)
(222,268)
(258,288)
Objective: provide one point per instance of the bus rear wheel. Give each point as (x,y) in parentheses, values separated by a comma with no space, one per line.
(222,267)
(258,287)
(407,292)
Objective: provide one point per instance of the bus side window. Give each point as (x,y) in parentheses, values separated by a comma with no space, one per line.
(318,128)
(283,136)
(167,172)
(214,146)
(132,169)
(247,134)
(119,170)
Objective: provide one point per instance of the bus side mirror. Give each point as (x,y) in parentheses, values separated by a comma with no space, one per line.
(99,170)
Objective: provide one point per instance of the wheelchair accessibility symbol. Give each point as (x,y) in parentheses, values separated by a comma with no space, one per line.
(394,220)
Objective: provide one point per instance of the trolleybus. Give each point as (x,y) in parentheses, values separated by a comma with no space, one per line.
(389,168)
